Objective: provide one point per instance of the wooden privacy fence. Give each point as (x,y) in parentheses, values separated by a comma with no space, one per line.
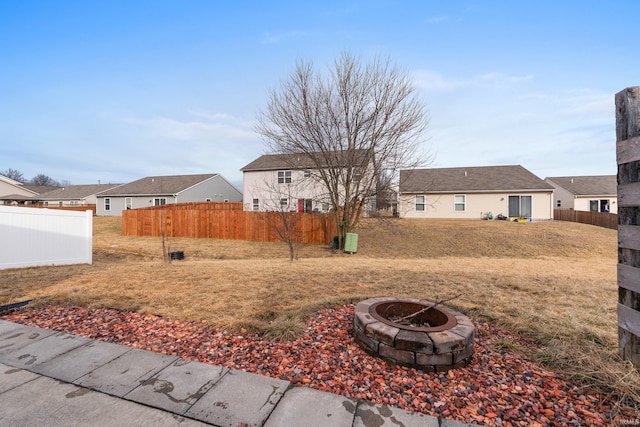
(628,159)
(601,219)
(225,221)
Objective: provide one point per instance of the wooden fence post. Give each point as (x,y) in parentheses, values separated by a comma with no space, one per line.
(628,160)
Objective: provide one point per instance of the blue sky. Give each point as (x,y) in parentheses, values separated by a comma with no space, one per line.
(112,91)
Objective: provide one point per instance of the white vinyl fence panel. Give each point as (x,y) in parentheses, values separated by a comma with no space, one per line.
(32,237)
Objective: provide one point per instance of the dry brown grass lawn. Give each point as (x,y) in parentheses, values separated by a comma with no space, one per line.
(552,281)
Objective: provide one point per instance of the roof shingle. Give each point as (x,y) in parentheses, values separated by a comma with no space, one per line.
(471,179)
(158,185)
(587,185)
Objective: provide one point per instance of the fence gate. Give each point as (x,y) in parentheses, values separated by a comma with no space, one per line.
(628,159)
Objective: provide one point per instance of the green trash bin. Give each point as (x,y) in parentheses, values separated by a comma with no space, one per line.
(351,243)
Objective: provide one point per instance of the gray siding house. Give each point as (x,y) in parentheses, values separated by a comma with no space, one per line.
(160,190)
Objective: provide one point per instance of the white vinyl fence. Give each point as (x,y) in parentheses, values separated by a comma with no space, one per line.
(32,237)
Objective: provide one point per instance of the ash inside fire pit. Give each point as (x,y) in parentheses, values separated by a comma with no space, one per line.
(413,315)
(414,333)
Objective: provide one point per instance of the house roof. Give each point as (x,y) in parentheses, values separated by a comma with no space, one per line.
(40,189)
(471,179)
(158,185)
(587,185)
(75,192)
(268,162)
(17,184)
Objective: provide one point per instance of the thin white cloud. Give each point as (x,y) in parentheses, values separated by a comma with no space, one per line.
(432,80)
(219,127)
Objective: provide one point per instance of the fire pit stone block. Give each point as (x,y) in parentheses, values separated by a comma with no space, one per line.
(448,347)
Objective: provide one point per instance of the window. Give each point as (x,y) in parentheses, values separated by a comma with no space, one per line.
(459,203)
(520,206)
(256,204)
(307,173)
(60,203)
(128,203)
(74,203)
(107,204)
(593,205)
(558,203)
(159,201)
(284,202)
(420,203)
(284,177)
(356,174)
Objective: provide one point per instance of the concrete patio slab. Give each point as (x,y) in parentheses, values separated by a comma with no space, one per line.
(239,398)
(178,386)
(369,414)
(41,351)
(306,407)
(15,338)
(121,375)
(80,361)
(11,377)
(68,405)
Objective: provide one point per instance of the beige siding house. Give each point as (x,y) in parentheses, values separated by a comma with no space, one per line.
(474,193)
(12,192)
(597,193)
(161,190)
(74,195)
(289,182)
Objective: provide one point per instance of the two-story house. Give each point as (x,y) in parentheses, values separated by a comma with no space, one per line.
(292,182)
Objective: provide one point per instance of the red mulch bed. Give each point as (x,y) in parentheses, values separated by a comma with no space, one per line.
(497,388)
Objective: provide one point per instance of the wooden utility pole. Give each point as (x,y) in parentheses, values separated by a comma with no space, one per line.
(628,159)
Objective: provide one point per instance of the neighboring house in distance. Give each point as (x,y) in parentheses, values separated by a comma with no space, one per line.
(14,192)
(288,182)
(474,193)
(161,190)
(74,195)
(597,193)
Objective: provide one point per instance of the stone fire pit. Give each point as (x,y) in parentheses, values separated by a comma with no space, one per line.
(436,339)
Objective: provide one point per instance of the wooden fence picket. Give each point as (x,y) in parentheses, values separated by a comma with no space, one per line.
(628,160)
(221,221)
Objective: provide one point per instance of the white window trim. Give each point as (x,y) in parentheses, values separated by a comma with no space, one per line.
(424,203)
(464,202)
(284,177)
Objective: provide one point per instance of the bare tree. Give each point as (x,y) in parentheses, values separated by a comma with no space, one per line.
(281,215)
(13,174)
(42,179)
(358,127)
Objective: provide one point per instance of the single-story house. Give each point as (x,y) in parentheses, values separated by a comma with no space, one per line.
(474,193)
(12,192)
(161,190)
(74,195)
(598,193)
(292,182)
